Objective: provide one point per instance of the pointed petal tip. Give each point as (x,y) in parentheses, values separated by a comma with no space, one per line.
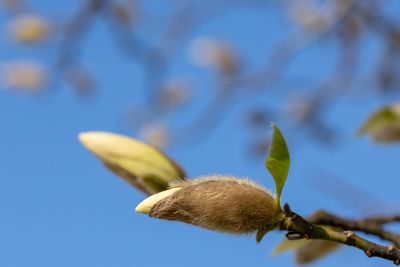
(83,137)
(146,205)
(142,209)
(94,137)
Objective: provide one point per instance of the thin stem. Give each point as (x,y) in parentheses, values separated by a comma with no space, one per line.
(383,219)
(294,223)
(372,226)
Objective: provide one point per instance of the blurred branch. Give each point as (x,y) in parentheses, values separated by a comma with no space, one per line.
(344,23)
(372,226)
(269,75)
(76,29)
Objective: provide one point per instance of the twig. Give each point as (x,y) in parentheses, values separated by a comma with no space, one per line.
(383,219)
(294,223)
(371,226)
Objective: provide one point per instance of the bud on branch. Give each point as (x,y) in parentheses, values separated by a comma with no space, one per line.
(220,203)
(140,164)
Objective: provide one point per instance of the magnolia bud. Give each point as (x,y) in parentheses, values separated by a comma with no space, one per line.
(142,165)
(219,203)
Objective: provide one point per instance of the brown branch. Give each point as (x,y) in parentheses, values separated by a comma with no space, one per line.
(383,219)
(372,226)
(300,228)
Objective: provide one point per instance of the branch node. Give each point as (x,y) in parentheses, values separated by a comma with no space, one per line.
(286,209)
(369,252)
(348,234)
(349,237)
(390,248)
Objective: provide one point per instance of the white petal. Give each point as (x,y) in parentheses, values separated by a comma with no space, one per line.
(146,205)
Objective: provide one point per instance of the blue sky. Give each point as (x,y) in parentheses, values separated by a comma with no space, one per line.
(60,207)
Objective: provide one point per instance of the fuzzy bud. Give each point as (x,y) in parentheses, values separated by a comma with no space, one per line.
(219,203)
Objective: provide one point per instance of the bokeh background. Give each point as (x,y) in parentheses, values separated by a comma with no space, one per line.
(202,80)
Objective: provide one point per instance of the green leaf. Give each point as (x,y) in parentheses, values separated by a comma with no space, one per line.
(288,245)
(261,233)
(314,250)
(278,161)
(377,120)
(383,126)
(306,251)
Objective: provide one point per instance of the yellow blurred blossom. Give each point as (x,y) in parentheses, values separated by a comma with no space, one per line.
(29,29)
(23,75)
